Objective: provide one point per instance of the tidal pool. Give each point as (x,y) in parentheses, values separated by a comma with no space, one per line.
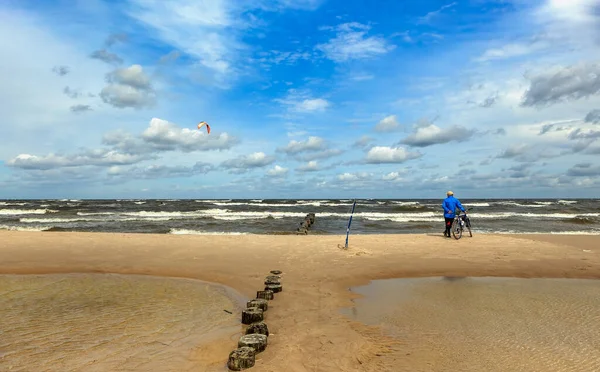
(106,322)
(486,324)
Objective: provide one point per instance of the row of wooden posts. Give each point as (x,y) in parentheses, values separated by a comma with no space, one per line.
(257,332)
(305,225)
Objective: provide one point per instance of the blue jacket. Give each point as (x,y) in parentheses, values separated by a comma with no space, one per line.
(450,204)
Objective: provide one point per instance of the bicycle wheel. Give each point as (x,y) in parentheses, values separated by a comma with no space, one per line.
(457,229)
(468,226)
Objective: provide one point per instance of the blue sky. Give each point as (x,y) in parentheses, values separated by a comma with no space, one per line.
(306,99)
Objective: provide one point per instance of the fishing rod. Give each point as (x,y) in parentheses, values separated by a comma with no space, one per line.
(349,223)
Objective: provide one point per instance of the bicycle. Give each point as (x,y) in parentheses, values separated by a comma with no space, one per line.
(461,221)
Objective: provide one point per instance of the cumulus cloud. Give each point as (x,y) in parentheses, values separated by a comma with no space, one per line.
(128,87)
(320,155)
(427,134)
(277,171)
(387,124)
(579,134)
(160,171)
(584,170)
(514,151)
(302,102)
(100,157)
(71,93)
(61,70)
(106,56)
(127,149)
(363,142)
(593,117)
(311,166)
(311,144)
(382,154)
(165,136)
(243,163)
(392,176)
(564,84)
(351,42)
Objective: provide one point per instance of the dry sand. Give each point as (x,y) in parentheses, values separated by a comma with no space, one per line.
(310,333)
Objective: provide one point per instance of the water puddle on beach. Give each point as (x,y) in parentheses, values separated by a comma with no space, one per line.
(106,322)
(486,324)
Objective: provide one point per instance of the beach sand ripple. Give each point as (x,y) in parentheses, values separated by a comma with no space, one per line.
(488,324)
(102,322)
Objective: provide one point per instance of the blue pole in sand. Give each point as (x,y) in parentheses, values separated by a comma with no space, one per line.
(349,223)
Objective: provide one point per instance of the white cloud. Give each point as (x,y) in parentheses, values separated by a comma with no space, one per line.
(311,166)
(433,14)
(160,171)
(277,171)
(90,157)
(563,84)
(209,31)
(311,144)
(517,49)
(387,124)
(242,164)
(392,176)
(430,134)
(351,43)
(382,154)
(128,87)
(166,136)
(302,102)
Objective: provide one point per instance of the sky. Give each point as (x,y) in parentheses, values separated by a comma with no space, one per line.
(304,98)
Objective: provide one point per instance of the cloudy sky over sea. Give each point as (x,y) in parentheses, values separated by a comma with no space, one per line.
(305,98)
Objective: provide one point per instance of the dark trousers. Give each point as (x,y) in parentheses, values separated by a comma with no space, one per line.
(448,225)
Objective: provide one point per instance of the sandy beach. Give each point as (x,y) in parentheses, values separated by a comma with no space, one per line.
(310,333)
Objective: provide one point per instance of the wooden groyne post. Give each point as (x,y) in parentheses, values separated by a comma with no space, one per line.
(305,225)
(257,333)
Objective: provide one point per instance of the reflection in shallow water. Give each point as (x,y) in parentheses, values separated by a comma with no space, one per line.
(102,322)
(487,324)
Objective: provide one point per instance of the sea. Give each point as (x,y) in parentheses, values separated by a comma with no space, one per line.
(280,217)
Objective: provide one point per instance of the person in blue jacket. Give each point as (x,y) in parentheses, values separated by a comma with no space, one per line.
(450,204)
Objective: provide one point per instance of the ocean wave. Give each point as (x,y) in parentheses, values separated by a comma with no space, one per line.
(95,213)
(476,204)
(18,212)
(199,232)
(99,220)
(25,228)
(568,202)
(8,204)
(407,203)
(515,204)
(53,220)
(578,220)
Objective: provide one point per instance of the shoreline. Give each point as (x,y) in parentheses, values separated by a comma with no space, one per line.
(305,318)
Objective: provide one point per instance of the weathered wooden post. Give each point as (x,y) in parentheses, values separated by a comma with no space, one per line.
(252,315)
(276,288)
(254,340)
(266,295)
(241,358)
(260,328)
(258,302)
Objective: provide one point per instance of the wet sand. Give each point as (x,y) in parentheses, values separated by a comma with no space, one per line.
(108,322)
(310,333)
(487,324)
